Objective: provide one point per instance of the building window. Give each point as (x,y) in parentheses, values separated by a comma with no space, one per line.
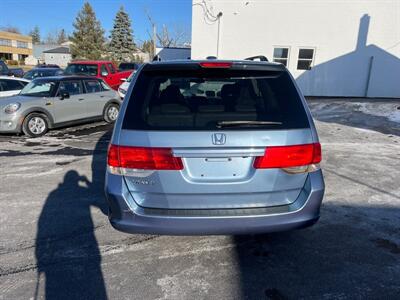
(21,57)
(5,42)
(6,56)
(22,44)
(306,58)
(281,55)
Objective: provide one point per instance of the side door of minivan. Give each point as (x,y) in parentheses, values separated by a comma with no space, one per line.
(95,97)
(73,107)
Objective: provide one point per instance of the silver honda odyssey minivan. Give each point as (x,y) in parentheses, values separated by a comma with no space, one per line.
(213,147)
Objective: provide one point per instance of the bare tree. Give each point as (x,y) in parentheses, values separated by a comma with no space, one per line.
(51,38)
(167,37)
(153,36)
(171,38)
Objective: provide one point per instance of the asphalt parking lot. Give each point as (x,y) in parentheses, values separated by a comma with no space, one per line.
(56,242)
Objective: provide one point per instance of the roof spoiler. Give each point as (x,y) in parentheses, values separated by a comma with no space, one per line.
(257,57)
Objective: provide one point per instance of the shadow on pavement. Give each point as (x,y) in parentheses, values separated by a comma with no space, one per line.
(67,252)
(351,253)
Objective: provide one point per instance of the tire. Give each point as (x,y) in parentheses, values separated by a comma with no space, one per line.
(35,125)
(111,112)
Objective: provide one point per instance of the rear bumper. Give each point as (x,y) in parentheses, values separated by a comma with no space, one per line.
(125,215)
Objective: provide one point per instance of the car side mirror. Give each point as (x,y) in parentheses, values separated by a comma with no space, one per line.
(64,95)
(104,73)
(123,79)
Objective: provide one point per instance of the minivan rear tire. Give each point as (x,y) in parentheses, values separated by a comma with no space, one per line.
(111,112)
(35,125)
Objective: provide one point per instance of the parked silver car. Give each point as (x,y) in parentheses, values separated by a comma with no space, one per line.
(51,102)
(10,86)
(213,147)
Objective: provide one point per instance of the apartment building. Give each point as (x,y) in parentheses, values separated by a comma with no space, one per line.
(14,46)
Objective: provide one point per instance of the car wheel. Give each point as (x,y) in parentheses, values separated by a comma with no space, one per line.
(35,125)
(111,113)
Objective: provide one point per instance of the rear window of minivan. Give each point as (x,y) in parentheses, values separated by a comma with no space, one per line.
(214,99)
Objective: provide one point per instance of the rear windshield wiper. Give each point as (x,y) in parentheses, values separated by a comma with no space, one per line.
(221,124)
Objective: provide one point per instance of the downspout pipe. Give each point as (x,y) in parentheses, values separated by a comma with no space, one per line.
(219,32)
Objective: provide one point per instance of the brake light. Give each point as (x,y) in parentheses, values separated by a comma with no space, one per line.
(289,156)
(112,156)
(143,158)
(216,64)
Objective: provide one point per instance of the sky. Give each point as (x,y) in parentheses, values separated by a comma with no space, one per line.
(52,15)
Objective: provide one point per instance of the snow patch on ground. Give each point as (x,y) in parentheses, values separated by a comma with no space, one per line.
(387,110)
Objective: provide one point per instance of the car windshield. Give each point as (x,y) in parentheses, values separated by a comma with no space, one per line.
(41,73)
(84,69)
(38,88)
(213,99)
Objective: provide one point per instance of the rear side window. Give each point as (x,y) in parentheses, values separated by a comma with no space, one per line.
(214,99)
(93,86)
(72,87)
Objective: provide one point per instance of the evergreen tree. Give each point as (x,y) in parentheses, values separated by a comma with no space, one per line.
(122,46)
(148,47)
(62,37)
(88,36)
(35,34)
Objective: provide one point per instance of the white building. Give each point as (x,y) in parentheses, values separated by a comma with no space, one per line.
(332,48)
(60,56)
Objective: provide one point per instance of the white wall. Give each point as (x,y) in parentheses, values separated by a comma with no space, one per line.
(60,59)
(31,60)
(343,48)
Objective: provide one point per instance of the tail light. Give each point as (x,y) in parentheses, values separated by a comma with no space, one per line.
(292,159)
(216,64)
(141,158)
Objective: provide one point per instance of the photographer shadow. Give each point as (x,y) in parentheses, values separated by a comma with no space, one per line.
(67,252)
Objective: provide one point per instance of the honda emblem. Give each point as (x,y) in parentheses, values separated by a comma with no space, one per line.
(218,138)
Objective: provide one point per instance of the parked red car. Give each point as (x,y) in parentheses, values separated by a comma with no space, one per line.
(103,69)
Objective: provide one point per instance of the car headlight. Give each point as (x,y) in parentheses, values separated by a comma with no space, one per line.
(12,108)
(123,92)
